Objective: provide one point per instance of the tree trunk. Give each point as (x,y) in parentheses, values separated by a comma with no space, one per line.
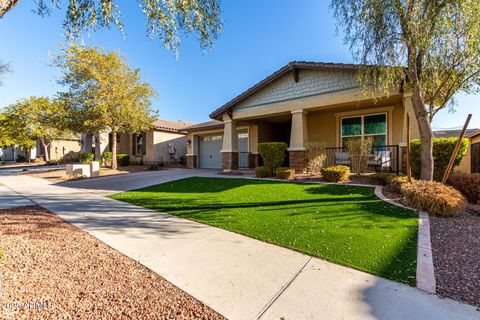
(426,137)
(45,149)
(114,150)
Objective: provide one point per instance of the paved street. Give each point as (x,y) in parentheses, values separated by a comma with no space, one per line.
(239,277)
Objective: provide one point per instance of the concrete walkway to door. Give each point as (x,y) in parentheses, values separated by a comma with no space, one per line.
(239,277)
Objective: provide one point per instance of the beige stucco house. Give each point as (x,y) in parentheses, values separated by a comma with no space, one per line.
(165,143)
(65,148)
(302,102)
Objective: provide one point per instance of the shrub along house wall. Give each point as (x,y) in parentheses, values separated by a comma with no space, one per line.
(442,151)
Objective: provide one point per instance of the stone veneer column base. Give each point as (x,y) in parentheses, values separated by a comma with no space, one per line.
(229,161)
(191,161)
(297,161)
(253,160)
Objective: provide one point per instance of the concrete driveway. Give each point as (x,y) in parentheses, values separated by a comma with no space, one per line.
(239,277)
(123,182)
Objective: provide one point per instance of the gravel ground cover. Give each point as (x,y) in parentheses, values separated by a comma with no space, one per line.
(456,256)
(52,270)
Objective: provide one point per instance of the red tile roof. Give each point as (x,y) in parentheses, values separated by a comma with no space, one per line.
(205,125)
(168,125)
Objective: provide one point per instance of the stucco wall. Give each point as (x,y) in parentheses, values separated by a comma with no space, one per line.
(323,125)
(311,82)
(160,145)
(68,149)
(465,164)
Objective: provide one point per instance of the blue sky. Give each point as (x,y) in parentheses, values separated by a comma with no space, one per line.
(258,38)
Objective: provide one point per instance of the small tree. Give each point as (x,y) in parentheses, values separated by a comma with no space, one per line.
(40,118)
(359,150)
(316,156)
(273,154)
(104,93)
(14,132)
(430,48)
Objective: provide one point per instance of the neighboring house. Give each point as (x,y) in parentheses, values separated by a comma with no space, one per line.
(66,148)
(471,162)
(164,144)
(300,103)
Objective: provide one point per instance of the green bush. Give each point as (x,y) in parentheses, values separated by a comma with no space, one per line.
(335,173)
(433,197)
(285,173)
(86,157)
(106,156)
(52,162)
(468,184)
(263,172)
(273,154)
(380,178)
(442,151)
(21,158)
(123,159)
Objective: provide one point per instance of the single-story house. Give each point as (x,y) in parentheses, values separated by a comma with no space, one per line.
(471,162)
(165,143)
(303,102)
(67,147)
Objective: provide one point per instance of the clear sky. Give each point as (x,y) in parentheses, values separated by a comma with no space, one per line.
(258,38)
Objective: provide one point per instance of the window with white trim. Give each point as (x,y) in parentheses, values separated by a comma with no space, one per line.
(372,125)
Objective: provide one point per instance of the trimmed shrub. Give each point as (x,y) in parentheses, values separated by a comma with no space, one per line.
(273,154)
(263,172)
(52,162)
(442,151)
(285,173)
(107,155)
(379,178)
(21,158)
(468,184)
(395,183)
(123,159)
(86,157)
(336,173)
(433,197)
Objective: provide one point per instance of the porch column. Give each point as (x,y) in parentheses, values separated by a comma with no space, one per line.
(253,159)
(192,151)
(298,138)
(230,146)
(101,144)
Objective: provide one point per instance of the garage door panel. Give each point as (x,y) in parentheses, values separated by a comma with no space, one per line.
(210,152)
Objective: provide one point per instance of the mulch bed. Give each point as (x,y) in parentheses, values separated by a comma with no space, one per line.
(53,270)
(456,256)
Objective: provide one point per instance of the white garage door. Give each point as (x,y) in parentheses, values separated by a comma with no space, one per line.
(209,154)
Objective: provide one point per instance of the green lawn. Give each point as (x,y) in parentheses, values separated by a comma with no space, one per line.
(344,224)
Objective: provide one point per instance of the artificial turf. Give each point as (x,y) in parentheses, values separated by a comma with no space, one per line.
(345,224)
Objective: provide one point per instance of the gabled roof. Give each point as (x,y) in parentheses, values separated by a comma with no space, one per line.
(168,125)
(455,133)
(212,124)
(293,67)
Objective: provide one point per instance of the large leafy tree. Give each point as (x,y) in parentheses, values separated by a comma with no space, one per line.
(34,118)
(104,93)
(165,18)
(428,47)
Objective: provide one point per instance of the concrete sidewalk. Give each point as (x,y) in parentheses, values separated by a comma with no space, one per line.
(240,277)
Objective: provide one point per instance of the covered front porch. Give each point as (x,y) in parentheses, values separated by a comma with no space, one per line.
(382,121)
